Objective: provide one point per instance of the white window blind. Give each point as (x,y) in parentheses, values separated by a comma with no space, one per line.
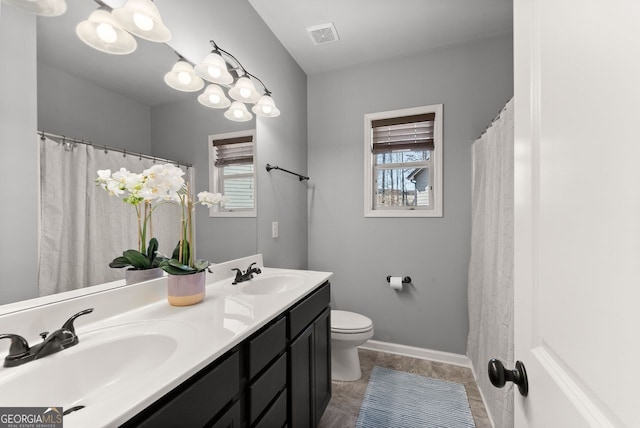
(235,171)
(403,133)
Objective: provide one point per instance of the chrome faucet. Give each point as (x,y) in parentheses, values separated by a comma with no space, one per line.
(63,338)
(247,275)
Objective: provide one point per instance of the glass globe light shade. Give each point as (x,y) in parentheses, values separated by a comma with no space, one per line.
(142,18)
(214,97)
(106,32)
(183,78)
(142,21)
(102,32)
(266,107)
(238,112)
(244,91)
(214,69)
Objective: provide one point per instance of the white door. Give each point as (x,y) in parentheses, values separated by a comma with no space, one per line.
(577,212)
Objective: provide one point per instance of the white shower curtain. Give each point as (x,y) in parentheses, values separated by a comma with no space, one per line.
(491,262)
(82,228)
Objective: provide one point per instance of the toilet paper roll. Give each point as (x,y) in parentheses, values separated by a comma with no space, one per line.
(396,283)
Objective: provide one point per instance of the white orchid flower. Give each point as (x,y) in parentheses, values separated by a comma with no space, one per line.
(209,199)
(114,188)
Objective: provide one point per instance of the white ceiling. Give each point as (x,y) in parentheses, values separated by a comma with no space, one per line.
(371,30)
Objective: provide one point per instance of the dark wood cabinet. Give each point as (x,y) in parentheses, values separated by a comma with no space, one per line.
(198,400)
(300,380)
(310,366)
(322,363)
(232,418)
(279,376)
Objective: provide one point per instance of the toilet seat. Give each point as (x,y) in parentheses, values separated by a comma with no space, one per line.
(345,322)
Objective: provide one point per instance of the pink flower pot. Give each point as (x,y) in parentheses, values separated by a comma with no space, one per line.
(186,290)
(133,276)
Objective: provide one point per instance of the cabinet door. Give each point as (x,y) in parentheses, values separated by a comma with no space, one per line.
(232,418)
(300,376)
(322,363)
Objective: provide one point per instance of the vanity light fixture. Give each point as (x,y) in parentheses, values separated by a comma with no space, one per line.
(224,70)
(40,7)
(102,32)
(182,77)
(214,97)
(142,18)
(238,112)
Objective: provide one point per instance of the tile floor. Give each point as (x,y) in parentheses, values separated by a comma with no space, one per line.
(347,397)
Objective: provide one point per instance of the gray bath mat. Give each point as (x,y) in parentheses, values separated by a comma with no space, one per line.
(403,400)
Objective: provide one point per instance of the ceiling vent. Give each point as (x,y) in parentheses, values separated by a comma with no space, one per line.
(325,33)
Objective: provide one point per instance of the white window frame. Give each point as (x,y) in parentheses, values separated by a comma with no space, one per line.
(435,170)
(215,210)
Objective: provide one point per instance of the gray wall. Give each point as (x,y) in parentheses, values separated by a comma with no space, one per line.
(68,105)
(473,81)
(180,131)
(18,162)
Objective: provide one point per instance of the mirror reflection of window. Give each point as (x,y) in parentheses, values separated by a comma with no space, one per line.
(232,166)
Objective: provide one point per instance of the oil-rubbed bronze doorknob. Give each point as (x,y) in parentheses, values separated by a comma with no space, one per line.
(499,376)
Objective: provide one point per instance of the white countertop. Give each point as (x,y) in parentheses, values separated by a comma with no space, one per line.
(203,332)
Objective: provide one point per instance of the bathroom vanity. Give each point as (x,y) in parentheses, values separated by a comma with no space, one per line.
(285,365)
(255,354)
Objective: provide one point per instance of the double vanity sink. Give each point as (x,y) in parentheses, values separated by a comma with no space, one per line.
(135,348)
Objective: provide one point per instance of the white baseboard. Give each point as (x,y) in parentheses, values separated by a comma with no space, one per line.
(422,353)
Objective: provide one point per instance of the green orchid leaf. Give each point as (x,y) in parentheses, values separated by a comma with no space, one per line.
(151,250)
(173,267)
(119,262)
(176,252)
(185,252)
(173,270)
(200,265)
(179,265)
(137,259)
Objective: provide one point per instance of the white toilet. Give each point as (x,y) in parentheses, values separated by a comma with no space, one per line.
(348,331)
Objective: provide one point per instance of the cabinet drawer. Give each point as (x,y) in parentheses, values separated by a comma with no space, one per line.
(266,346)
(266,387)
(302,314)
(276,416)
(199,402)
(230,419)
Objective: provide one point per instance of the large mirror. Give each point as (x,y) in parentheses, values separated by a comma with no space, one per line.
(111,100)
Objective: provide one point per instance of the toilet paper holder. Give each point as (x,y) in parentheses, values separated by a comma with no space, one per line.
(405,279)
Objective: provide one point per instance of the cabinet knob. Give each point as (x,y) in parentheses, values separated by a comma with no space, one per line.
(499,375)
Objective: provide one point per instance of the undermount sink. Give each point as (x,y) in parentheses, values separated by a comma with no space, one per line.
(104,362)
(273,283)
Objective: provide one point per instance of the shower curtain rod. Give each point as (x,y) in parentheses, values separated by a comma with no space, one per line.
(111,149)
(495,118)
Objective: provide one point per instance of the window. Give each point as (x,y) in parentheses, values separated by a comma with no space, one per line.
(232,167)
(403,163)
